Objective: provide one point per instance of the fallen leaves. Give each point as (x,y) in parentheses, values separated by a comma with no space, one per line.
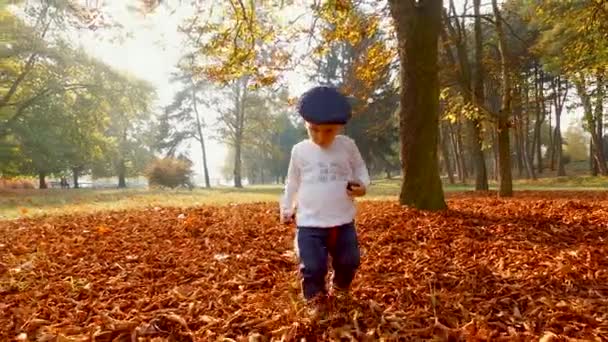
(528,268)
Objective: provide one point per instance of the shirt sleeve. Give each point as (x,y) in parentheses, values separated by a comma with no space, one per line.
(292,185)
(357,164)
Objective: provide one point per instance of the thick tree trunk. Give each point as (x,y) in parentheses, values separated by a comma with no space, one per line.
(75,176)
(122,174)
(481,173)
(592,161)
(504,153)
(42,180)
(418,27)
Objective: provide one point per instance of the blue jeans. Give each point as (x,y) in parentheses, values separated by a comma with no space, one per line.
(314,245)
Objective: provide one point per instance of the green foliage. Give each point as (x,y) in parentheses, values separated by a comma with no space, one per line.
(574,34)
(170,172)
(576,144)
(59,108)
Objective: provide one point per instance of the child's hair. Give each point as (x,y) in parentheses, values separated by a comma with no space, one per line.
(324,105)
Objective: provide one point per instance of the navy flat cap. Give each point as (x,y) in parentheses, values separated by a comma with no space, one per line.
(324,105)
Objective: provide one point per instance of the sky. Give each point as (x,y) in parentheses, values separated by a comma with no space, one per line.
(152,50)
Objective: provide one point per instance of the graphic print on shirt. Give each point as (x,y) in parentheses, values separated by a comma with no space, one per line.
(324,172)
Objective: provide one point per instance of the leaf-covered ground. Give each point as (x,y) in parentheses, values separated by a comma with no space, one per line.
(533,267)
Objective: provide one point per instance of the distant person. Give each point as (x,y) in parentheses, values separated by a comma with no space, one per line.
(325,173)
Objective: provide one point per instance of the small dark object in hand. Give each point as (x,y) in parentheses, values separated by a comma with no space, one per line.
(350,185)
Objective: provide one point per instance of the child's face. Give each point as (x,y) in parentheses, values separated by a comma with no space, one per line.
(323,135)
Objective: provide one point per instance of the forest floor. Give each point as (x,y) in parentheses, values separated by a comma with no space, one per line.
(518,269)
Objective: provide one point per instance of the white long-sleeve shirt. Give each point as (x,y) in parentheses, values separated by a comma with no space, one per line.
(316,183)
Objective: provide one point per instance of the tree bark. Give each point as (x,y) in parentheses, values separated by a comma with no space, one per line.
(528,157)
(445,152)
(122,174)
(481,172)
(42,180)
(592,119)
(517,134)
(504,153)
(75,176)
(201,136)
(593,167)
(527,152)
(540,118)
(558,102)
(418,26)
(454,151)
(461,153)
(241,97)
(599,116)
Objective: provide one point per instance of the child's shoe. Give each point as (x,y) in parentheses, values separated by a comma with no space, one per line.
(341,297)
(317,308)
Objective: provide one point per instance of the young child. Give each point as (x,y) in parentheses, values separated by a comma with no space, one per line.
(325,173)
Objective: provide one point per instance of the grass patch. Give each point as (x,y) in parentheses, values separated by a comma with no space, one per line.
(18,203)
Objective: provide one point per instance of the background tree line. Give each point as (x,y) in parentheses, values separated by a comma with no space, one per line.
(487,98)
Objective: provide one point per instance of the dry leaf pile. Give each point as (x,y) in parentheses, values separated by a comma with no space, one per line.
(529,268)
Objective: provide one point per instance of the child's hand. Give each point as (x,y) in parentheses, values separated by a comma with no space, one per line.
(356,190)
(286,218)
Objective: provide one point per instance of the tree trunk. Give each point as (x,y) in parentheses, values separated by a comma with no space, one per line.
(504,153)
(461,153)
(540,117)
(454,151)
(592,161)
(496,157)
(481,173)
(75,176)
(599,116)
(238,183)
(122,174)
(42,180)
(417,27)
(526,151)
(559,154)
(445,152)
(241,97)
(558,102)
(528,155)
(201,136)
(592,119)
(517,133)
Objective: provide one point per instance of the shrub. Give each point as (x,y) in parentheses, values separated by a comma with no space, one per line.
(16,183)
(170,172)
